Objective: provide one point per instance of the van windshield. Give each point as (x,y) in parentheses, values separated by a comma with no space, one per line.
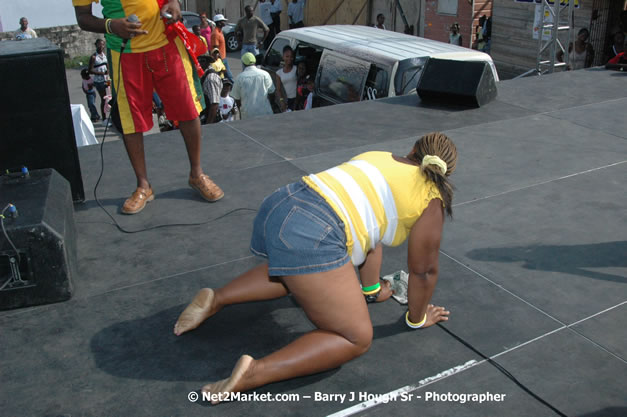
(408,74)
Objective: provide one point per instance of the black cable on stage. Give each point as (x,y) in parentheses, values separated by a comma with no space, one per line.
(503,371)
(115,223)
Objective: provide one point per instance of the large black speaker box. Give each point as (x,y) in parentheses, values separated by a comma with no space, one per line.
(44,236)
(35,115)
(463,83)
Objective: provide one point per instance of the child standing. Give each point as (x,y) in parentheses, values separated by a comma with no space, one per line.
(310,96)
(218,65)
(90,94)
(228,108)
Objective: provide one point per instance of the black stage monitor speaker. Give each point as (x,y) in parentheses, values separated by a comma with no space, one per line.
(42,233)
(35,118)
(464,83)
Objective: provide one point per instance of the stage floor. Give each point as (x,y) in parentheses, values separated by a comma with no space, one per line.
(533,268)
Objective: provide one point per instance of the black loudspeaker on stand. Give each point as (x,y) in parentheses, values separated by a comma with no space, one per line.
(457,83)
(35,115)
(38,260)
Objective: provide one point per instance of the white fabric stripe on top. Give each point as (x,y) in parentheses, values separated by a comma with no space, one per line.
(385,195)
(358,256)
(361,203)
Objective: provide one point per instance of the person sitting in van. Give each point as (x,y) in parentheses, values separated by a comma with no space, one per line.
(296,13)
(309,100)
(301,85)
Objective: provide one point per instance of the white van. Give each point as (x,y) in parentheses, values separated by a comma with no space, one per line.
(353,63)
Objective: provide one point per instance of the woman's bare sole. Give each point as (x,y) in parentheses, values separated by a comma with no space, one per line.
(199,310)
(219,390)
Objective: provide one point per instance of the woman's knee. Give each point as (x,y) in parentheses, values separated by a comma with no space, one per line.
(361,339)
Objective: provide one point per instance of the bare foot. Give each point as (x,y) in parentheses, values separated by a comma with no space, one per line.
(235,383)
(199,310)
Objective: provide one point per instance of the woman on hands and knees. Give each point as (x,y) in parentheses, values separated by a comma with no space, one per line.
(312,234)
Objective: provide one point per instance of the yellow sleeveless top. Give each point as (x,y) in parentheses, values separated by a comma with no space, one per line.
(378,198)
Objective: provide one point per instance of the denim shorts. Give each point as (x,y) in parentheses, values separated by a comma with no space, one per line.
(298,232)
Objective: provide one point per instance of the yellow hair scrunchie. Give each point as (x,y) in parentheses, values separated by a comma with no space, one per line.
(434,160)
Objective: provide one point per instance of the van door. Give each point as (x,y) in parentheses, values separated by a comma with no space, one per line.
(340,78)
(377,83)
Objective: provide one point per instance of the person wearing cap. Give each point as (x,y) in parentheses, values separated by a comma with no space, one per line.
(142,59)
(217,64)
(217,41)
(314,235)
(252,89)
(228,108)
(246,30)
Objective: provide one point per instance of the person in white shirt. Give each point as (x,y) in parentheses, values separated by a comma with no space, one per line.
(264,14)
(24,32)
(275,11)
(288,76)
(228,108)
(252,88)
(296,13)
(380,21)
(310,88)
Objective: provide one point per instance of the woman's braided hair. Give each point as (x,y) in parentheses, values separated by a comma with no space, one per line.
(442,146)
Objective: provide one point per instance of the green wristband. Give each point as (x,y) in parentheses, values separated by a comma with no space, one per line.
(371,289)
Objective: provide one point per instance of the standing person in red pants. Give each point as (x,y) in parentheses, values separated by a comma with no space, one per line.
(143,58)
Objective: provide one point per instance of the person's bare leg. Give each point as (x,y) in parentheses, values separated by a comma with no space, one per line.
(134,144)
(191,135)
(370,272)
(253,285)
(333,302)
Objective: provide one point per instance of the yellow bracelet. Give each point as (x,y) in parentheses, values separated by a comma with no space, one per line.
(108,26)
(414,325)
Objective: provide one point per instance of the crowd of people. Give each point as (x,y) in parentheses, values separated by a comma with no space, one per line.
(292,86)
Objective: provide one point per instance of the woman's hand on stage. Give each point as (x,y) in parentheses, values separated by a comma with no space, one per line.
(435,314)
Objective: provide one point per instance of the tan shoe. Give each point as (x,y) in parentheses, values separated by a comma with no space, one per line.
(137,201)
(207,188)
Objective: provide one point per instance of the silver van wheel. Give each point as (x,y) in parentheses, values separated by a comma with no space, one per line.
(232,44)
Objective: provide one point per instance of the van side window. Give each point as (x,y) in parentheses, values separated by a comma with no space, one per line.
(310,55)
(408,74)
(376,83)
(341,78)
(275,53)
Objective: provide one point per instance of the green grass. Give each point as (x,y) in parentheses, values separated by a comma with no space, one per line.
(77,62)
